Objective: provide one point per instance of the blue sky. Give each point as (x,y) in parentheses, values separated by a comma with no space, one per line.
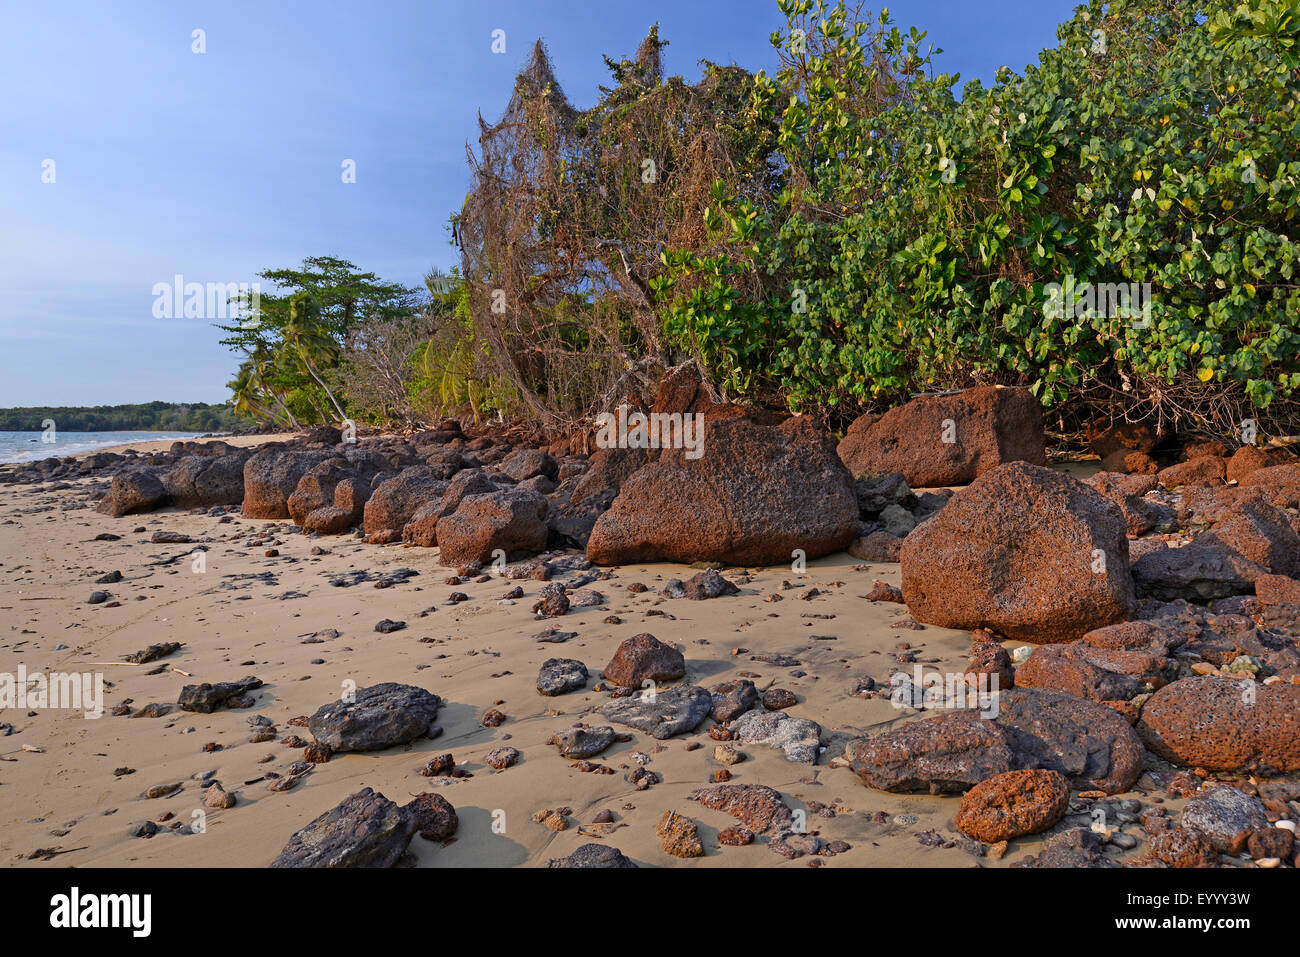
(217,165)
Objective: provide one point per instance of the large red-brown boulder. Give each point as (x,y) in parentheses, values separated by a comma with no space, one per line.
(1013,804)
(1225,724)
(1249,459)
(347,510)
(422,527)
(1140,514)
(271,475)
(948,439)
(1261,534)
(513,521)
(644,658)
(754,495)
(395,500)
(316,488)
(1025,552)
(1281,483)
(1206,470)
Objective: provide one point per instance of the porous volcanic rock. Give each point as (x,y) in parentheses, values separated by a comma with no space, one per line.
(798,739)
(377,717)
(395,500)
(1087,742)
(1184,847)
(666,713)
(364,830)
(1224,814)
(757,806)
(1025,552)
(561,675)
(1013,804)
(1225,724)
(435,818)
(643,658)
(138,490)
(270,476)
(512,521)
(593,855)
(755,495)
(201,481)
(1200,571)
(949,439)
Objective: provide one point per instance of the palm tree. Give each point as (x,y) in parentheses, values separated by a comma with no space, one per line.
(245,397)
(262,369)
(306,336)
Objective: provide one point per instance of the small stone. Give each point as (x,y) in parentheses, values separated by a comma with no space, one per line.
(217,797)
(681,835)
(502,758)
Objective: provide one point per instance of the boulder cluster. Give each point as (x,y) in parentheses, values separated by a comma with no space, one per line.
(1145,619)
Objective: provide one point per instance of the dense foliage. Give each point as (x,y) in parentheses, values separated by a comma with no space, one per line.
(1113,229)
(570,211)
(916,236)
(293,336)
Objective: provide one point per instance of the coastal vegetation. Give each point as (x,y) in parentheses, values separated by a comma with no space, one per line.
(140,417)
(850,230)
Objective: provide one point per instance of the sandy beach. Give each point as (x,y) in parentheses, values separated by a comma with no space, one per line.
(246,614)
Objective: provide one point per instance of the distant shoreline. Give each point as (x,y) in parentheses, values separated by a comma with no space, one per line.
(14,448)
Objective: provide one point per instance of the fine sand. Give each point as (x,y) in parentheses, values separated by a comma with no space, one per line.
(248,614)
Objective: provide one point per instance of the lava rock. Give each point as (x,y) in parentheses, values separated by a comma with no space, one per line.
(378,717)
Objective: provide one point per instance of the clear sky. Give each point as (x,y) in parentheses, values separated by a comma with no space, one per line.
(217,165)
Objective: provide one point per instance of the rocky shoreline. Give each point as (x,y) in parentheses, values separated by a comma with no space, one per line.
(749,636)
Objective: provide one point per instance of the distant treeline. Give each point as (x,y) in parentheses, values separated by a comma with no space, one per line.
(142,417)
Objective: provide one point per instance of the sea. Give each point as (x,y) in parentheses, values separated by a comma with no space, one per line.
(29,446)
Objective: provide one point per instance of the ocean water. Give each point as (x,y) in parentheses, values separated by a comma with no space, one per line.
(27,446)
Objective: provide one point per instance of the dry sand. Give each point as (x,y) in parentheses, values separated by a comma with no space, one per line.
(475,655)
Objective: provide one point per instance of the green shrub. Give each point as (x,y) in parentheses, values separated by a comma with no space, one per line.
(914,240)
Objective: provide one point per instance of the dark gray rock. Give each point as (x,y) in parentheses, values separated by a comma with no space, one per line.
(560,676)
(1196,572)
(1077,847)
(579,742)
(206,698)
(380,716)
(1087,742)
(709,584)
(134,491)
(365,830)
(732,699)
(1222,813)
(593,855)
(664,713)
